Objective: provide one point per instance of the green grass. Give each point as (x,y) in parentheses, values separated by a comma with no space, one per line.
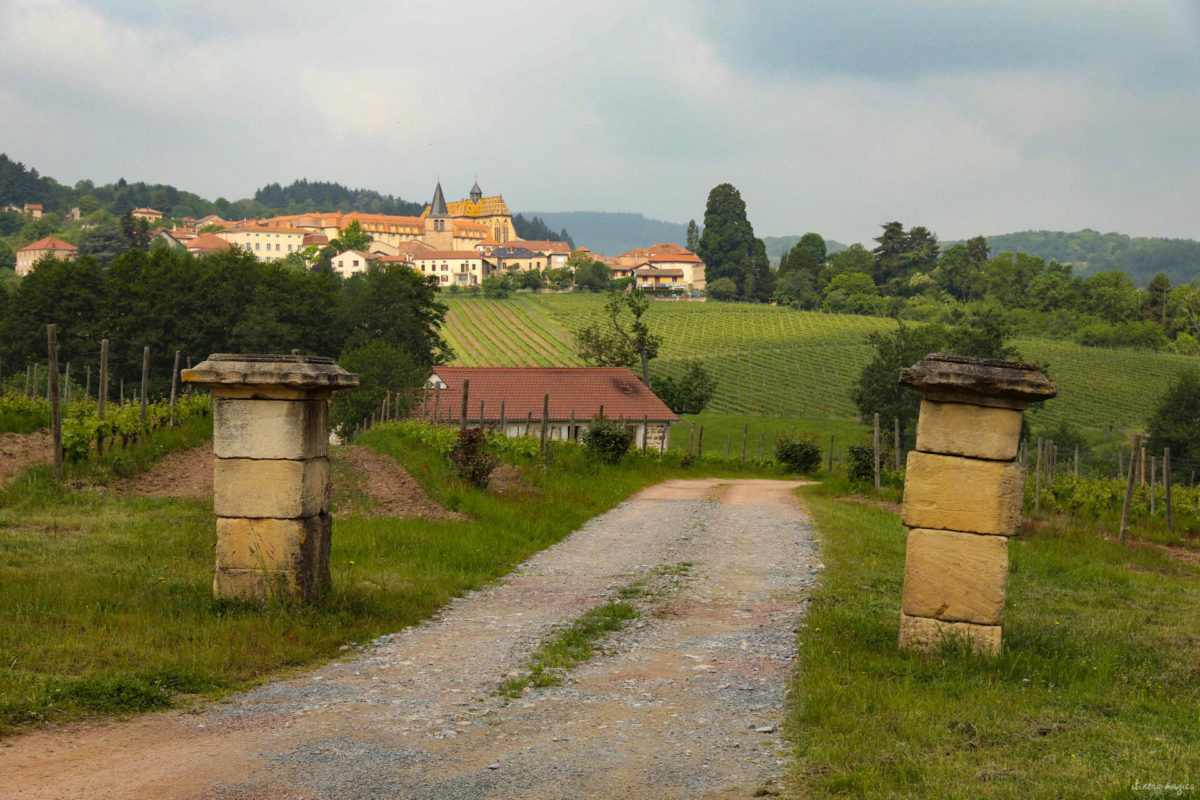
(106,602)
(773,361)
(720,429)
(1097,685)
(571,646)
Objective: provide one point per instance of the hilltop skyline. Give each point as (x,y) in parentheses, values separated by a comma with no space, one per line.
(968,119)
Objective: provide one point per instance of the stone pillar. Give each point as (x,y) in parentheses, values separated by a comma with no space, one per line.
(271,482)
(963,496)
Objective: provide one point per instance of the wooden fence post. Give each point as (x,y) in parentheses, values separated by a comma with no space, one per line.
(1037,477)
(1167,483)
(437,404)
(462,421)
(67,383)
(1129,488)
(1153,480)
(145,379)
(27,370)
(545,421)
(55,409)
(528,421)
(691,436)
(102,389)
(87,385)
(876,447)
(700,443)
(830,467)
(174,384)
(896,444)
(503,421)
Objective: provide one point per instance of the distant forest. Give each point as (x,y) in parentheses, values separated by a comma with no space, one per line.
(1089,252)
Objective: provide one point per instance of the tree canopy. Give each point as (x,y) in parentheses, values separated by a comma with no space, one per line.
(729,247)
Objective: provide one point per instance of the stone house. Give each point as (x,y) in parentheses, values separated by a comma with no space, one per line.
(511,400)
(28,255)
(453,267)
(350,262)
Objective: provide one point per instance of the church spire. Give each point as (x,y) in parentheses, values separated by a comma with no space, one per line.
(476,192)
(438,207)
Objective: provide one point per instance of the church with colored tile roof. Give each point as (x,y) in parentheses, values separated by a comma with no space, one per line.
(490,212)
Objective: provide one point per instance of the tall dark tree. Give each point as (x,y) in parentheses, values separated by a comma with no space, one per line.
(693,235)
(1157,295)
(1175,422)
(729,247)
(878,389)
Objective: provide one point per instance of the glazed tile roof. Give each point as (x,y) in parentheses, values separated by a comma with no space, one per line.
(578,390)
(486,207)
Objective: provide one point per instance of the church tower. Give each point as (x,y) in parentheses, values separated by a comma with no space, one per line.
(439,228)
(476,192)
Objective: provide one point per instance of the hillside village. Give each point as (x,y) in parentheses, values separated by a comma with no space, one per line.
(461,243)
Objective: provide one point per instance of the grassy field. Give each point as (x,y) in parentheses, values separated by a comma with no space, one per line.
(1095,692)
(785,363)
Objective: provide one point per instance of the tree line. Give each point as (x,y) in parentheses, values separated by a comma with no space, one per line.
(226,302)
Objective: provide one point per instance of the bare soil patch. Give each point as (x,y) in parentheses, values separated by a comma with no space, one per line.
(186,473)
(393,489)
(506,479)
(20,450)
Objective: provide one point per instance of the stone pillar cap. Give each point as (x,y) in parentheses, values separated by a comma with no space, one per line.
(981,381)
(253,369)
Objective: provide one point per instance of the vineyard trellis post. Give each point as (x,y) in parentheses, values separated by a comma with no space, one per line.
(700,443)
(1142,466)
(102,389)
(33,394)
(830,467)
(691,436)
(745,436)
(27,370)
(174,386)
(55,410)
(545,422)
(462,421)
(1153,480)
(67,384)
(875,445)
(896,444)
(1129,488)
(1037,476)
(145,379)
(87,386)
(1167,484)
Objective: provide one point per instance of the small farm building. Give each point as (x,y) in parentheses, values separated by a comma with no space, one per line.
(512,399)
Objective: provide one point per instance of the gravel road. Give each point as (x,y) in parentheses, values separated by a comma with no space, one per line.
(685,702)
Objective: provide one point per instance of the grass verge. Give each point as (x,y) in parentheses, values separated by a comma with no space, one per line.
(1094,694)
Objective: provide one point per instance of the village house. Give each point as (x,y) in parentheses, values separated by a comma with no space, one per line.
(266,242)
(34,210)
(148,214)
(511,400)
(28,255)
(350,262)
(660,266)
(206,243)
(458,267)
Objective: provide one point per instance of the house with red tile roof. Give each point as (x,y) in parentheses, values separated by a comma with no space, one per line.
(148,214)
(511,400)
(207,243)
(28,255)
(661,265)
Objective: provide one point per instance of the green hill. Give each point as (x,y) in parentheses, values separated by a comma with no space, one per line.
(613,233)
(780,362)
(1090,251)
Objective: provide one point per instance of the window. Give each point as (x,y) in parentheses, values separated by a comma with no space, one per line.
(257,246)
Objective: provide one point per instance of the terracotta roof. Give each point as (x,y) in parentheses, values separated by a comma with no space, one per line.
(49,243)
(471,254)
(314,238)
(413,248)
(33,206)
(207,243)
(256,228)
(668,253)
(582,390)
(543,245)
(651,271)
(473,227)
(146,211)
(394,260)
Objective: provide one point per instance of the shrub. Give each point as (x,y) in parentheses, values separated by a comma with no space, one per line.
(798,453)
(861,466)
(471,459)
(607,439)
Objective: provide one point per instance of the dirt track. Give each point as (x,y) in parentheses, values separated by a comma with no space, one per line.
(685,705)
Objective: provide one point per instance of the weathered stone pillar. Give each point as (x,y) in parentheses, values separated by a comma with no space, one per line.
(271,483)
(963,496)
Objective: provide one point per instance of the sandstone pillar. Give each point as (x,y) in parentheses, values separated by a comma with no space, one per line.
(271,482)
(963,493)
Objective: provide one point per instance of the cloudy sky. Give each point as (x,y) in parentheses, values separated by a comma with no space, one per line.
(834,116)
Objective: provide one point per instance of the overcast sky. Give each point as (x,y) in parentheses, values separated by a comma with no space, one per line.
(831,116)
